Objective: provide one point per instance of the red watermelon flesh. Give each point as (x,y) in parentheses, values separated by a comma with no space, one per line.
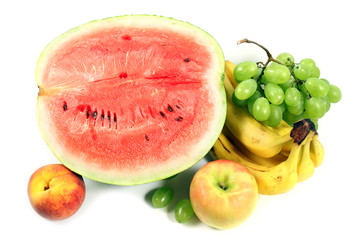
(132,99)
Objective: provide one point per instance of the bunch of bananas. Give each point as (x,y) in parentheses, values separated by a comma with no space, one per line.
(277,158)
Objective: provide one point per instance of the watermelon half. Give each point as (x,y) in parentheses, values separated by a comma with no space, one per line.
(131,99)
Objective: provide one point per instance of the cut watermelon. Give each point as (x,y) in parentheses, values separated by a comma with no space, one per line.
(131,99)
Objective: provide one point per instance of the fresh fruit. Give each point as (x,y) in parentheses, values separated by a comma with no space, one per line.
(245,70)
(317,151)
(299,84)
(278,178)
(162,197)
(263,140)
(183,211)
(334,93)
(289,155)
(223,194)
(277,73)
(132,99)
(245,89)
(55,192)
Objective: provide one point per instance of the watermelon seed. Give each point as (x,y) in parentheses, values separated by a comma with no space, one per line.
(162,114)
(115,120)
(102,115)
(187,60)
(146,137)
(94,115)
(178,119)
(170,108)
(65,106)
(88,112)
(177,106)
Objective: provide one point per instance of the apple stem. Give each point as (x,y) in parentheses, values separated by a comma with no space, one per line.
(223,186)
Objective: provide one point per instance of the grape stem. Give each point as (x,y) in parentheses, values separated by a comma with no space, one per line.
(270,57)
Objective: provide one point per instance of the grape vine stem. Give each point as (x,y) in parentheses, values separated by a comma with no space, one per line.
(270,57)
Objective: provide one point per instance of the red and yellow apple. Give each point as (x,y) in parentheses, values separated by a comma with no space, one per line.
(55,192)
(223,194)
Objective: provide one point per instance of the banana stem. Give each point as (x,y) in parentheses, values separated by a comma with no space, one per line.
(301,129)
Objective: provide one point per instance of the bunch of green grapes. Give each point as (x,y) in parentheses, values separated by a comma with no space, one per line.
(283,90)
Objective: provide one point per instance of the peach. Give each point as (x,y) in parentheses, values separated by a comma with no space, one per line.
(55,192)
(223,194)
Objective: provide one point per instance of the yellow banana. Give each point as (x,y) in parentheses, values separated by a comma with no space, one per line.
(269,162)
(224,149)
(277,179)
(283,177)
(317,151)
(229,71)
(260,139)
(306,166)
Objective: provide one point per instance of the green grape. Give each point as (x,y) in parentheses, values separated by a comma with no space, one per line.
(286,58)
(251,101)
(277,73)
(282,107)
(334,94)
(162,197)
(275,117)
(184,211)
(264,80)
(245,89)
(327,103)
(274,93)
(245,70)
(315,108)
(306,116)
(315,72)
(292,96)
(257,75)
(261,109)
(238,102)
(316,87)
(302,72)
(308,62)
(291,118)
(299,108)
(325,80)
(288,84)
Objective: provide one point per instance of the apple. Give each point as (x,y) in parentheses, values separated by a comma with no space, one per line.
(223,194)
(55,192)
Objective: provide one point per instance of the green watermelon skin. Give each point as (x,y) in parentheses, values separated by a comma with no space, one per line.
(131,99)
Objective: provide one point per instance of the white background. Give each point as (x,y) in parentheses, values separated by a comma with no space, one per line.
(327,205)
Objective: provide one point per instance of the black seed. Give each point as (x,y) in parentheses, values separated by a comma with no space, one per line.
(114,117)
(102,117)
(108,117)
(88,114)
(94,115)
(162,114)
(178,119)
(170,108)
(146,137)
(177,106)
(65,106)
(187,60)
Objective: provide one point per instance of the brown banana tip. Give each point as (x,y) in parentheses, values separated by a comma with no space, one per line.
(301,129)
